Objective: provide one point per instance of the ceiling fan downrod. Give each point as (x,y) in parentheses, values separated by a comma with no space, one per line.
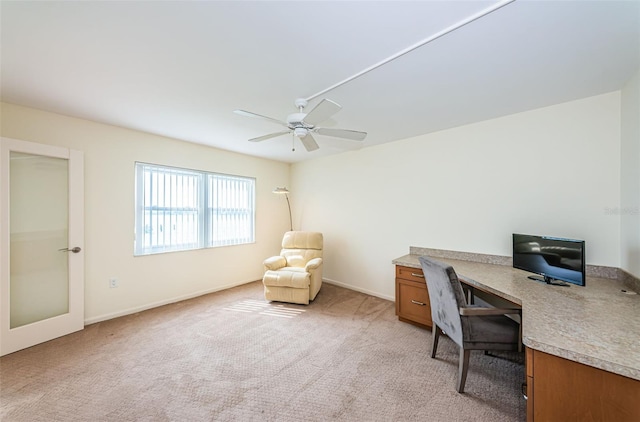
(301,103)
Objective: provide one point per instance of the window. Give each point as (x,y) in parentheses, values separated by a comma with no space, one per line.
(181,209)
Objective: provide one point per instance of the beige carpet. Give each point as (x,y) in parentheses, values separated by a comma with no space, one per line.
(231,356)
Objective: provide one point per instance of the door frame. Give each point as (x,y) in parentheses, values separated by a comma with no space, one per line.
(12,340)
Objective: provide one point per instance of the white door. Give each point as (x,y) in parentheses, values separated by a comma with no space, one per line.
(42,242)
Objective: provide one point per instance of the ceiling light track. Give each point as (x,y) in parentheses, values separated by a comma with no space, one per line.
(427,40)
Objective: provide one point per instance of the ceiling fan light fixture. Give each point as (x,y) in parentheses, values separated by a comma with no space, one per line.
(300,132)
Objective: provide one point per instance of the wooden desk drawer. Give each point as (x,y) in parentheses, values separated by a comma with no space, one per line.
(408,273)
(412,302)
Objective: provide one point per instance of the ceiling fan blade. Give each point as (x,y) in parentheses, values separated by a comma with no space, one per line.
(269,136)
(309,143)
(342,133)
(321,112)
(260,116)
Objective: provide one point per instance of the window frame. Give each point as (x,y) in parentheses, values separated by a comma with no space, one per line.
(205,216)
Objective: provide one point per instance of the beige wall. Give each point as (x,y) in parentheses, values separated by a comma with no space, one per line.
(110,153)
(630,174)
(552,171)
(555,171)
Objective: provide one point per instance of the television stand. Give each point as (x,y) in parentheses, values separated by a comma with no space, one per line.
(549,280)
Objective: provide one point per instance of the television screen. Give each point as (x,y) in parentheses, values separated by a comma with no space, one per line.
(551,257)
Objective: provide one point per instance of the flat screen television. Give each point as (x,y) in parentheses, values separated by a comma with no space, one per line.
(555,259)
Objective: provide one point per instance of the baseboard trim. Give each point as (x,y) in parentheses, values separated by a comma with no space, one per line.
(152,305)
(130,311)
(358,289)
(630,281)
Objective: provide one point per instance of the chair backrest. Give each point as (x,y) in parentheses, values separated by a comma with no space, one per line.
(446,297)
(300,247)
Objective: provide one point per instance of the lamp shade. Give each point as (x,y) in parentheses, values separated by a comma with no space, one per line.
(280,190)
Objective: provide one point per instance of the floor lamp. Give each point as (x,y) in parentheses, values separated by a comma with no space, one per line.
(285,191)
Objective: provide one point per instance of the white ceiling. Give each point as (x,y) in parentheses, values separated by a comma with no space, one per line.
(179,69)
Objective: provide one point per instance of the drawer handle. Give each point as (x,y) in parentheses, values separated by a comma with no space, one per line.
(415,302)
(417,275)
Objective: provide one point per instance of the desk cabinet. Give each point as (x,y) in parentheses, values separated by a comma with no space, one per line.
(563,390)
(412,297)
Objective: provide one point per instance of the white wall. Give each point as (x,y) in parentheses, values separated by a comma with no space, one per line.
(552,171)
(110,153)
(630,175)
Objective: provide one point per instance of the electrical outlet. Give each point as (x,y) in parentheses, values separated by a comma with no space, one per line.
(113,283)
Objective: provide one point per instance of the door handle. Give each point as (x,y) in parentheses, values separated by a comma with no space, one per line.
(74,250)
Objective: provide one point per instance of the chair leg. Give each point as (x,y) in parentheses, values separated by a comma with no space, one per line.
(462,368)
(436,331)
(520,336)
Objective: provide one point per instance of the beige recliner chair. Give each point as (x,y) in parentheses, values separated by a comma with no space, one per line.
(295,276)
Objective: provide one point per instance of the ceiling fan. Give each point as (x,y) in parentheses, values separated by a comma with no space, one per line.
(302,124)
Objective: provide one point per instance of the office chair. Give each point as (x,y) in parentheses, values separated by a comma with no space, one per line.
(470,327)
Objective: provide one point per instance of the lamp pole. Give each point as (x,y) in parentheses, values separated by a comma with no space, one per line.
(285,191)
(289,205)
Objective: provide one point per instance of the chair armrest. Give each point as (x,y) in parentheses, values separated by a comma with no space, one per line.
(313,264)
(489,311)
(275,263)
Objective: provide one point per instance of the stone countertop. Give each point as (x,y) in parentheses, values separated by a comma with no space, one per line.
(597,325)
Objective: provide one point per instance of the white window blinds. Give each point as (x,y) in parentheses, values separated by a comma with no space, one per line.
(231,210)
(171,214)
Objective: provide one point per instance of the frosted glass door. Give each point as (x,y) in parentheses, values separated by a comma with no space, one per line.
(38,225)
(41,250)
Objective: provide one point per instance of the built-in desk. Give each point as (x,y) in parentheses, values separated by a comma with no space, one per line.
(596,326)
